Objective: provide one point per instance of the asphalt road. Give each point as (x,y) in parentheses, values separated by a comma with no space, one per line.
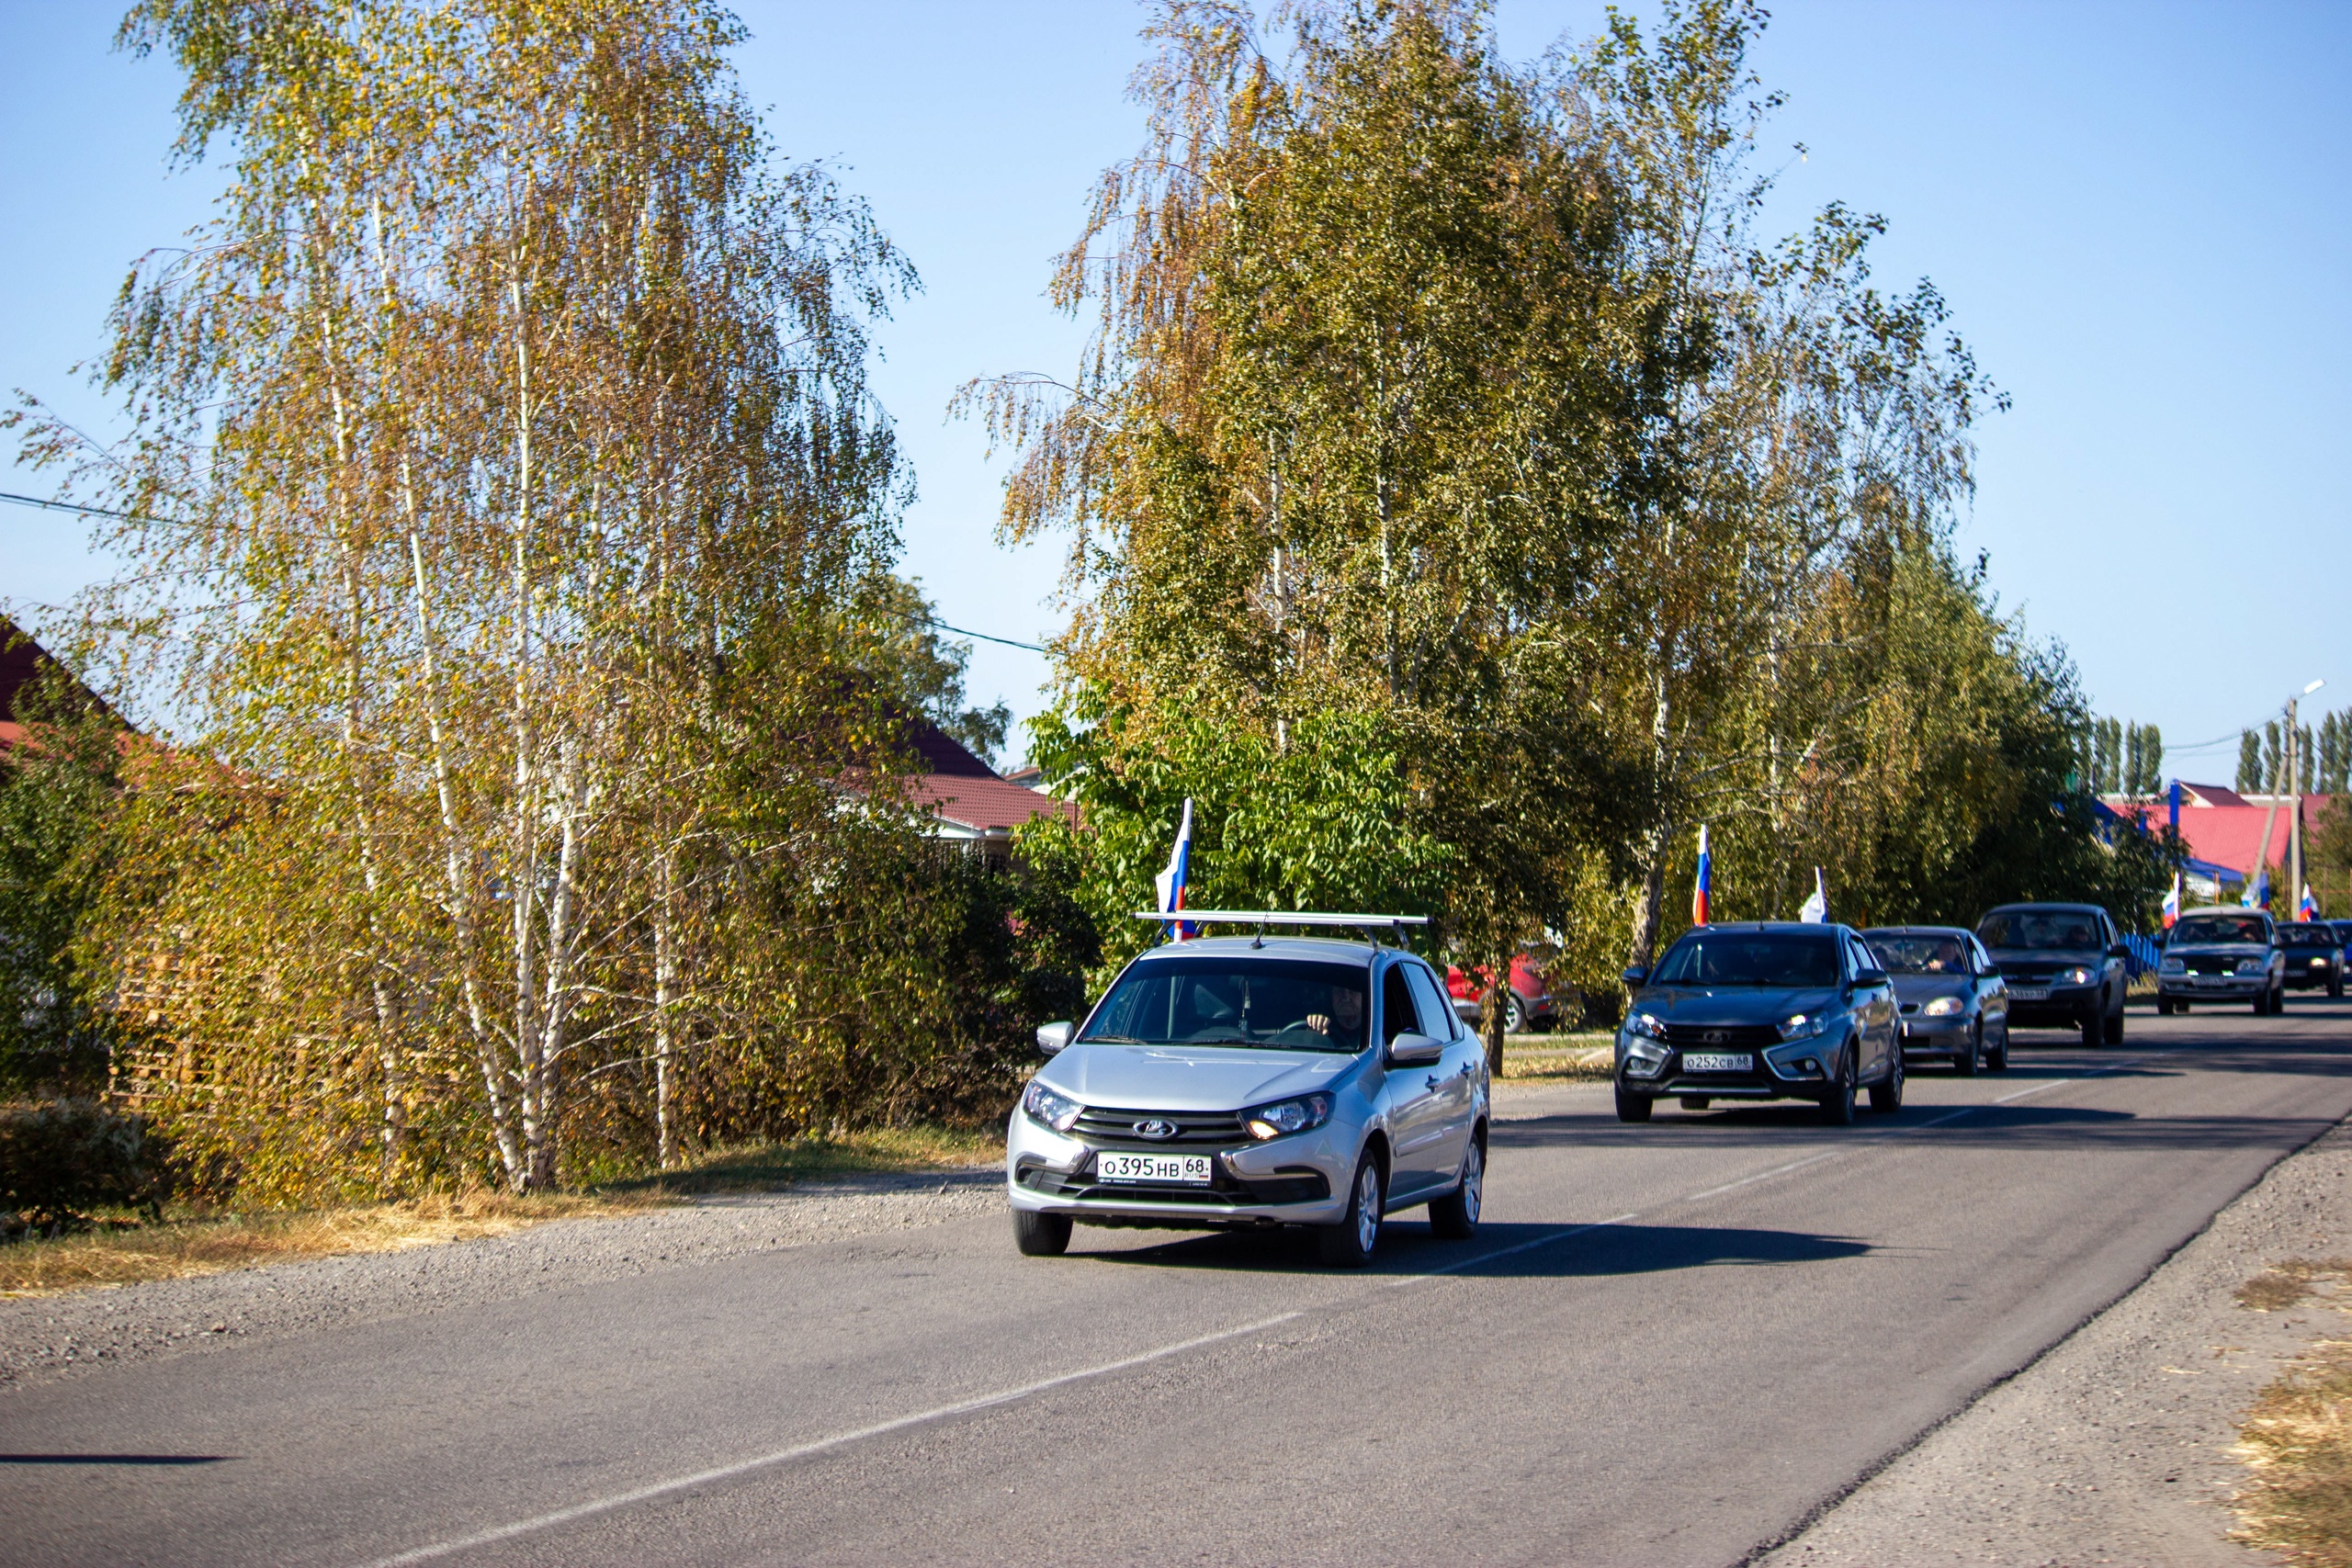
(1668,1343)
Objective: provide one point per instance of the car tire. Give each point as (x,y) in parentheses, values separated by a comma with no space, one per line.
(1635,1106)
(2335,988)
(1838,1111)
(2115,1028)
(1887,1098)
(2094,1030)
(1040,1235)
(1454,1217)
(2277,999)
(1350,1244)
(1965,1063)
(1998,1061)
(2264,1004)
(2164,1006)
(1514,1014)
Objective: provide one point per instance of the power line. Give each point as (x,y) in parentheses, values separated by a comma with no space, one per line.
(34,501)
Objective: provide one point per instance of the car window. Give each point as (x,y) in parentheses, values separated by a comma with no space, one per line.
(1396,1006)
(1437,1017)
(2222,929)
(2075,930)
(1713,956)
(1235,1000)
(1918,952)
(1981,960)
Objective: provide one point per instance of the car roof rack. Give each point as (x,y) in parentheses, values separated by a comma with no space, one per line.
(1371,925)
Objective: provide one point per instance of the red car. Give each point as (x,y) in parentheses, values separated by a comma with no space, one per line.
(1529,1004)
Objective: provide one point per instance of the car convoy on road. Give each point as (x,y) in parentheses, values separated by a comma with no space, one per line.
(1328,1081)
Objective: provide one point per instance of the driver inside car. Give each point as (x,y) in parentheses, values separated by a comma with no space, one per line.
(1345,1020)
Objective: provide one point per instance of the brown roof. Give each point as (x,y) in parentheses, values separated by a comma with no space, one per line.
(959,788)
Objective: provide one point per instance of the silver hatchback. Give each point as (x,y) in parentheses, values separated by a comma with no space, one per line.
(1227,1082)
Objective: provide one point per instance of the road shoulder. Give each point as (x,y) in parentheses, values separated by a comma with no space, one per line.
(2113,1447)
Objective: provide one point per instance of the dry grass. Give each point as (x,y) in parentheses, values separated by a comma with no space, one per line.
(124,1253)
(1558,1058)
(2297,1439)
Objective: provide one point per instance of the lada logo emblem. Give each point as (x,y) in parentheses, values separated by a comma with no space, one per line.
(1155,1128)
(1715,1036)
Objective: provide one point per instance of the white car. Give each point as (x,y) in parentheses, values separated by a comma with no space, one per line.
(1226,1082)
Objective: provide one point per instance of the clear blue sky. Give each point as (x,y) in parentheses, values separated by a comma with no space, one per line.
(2139,211)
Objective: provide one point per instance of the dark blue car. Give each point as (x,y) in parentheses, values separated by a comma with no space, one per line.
(1761,1011)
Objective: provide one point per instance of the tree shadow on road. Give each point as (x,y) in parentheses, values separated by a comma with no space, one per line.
(1507,1251)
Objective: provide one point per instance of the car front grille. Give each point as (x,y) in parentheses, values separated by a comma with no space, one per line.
(2210,966)
(1103,1125)
(1721,1036)
(1291,1184)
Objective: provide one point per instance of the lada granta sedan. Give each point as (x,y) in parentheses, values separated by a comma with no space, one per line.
(1226,1082)
(2221,954)
(1761,1011)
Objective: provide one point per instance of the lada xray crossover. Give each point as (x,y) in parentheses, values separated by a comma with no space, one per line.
(1232,1082)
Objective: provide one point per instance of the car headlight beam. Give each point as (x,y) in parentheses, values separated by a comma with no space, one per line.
(1044,1105)
(1941,1007)
(2253,966)
(1803,1026)
(1283,1117)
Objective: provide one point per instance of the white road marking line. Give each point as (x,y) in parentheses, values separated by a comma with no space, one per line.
(2057,1083)
(1764,1175)
(804,1451)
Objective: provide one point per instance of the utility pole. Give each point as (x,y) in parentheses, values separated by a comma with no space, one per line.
(2295,803)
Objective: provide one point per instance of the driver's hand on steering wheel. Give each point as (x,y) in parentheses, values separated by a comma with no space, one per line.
(1318,1022)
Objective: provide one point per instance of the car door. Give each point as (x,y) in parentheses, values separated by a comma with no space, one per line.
(2118,973)
(1992,995)
(1457,1099)
(1875,1005)
(1416,1111)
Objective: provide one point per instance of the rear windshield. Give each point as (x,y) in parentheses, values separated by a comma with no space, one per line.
(2307,936)
(1911,952)
(2220,928)
(2065,929)
(1750,958)
(1272,1003)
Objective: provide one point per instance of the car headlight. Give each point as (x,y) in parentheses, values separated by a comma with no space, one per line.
(1056,1111)
(1287,1116)
(2077,976)
(2171,967)
(1802,1026)
(2253,966)
(1942,1007)
(1643,1026)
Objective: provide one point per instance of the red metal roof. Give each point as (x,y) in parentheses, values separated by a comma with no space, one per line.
(2231,835)
(962,790)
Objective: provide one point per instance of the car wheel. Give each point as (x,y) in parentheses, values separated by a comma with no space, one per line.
(1514,1014)
(1838,1111)
(1635,1106)
(1040,1235)
(2094,1030)
(1999,1060)
(2164,1006)
(2336,986)
(2262,1005)
(1455,1216)
(1887,1098)
(2277,999)
(1348,1244)
(2115,1028)
(1965,1063)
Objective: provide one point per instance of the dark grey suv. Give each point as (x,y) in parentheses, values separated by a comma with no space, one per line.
(1761,1011)
(2064,966)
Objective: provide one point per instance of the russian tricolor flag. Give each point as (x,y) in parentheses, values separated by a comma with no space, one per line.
(1170,883)
(2309,908)
(2172,902)
(1706,878)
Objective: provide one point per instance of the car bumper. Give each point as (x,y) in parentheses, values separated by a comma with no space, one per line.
(2211,988)
(2059,1007)
(1765,1080)
(2308,978)
(1301,1179)
(1932,1037)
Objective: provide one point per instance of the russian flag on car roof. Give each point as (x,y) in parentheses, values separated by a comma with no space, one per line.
(2308,908)
(1698,893)
(2172,902)
(1170,883)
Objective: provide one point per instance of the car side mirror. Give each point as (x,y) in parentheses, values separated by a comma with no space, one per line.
(1870,977)
(1410,1050)
(1052,1037)
(2118,951)
(1635,977)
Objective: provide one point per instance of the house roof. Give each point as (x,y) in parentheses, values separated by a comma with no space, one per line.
(22,661)
(961,790)
(2226,829)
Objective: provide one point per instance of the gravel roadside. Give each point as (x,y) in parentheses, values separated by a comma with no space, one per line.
(2114,1445)
(42,1337)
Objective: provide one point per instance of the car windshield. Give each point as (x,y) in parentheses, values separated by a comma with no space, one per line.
(1917,953)
(1750,958)
(2220,928)
(2061,930)
(1271,1003)
(2307,936)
